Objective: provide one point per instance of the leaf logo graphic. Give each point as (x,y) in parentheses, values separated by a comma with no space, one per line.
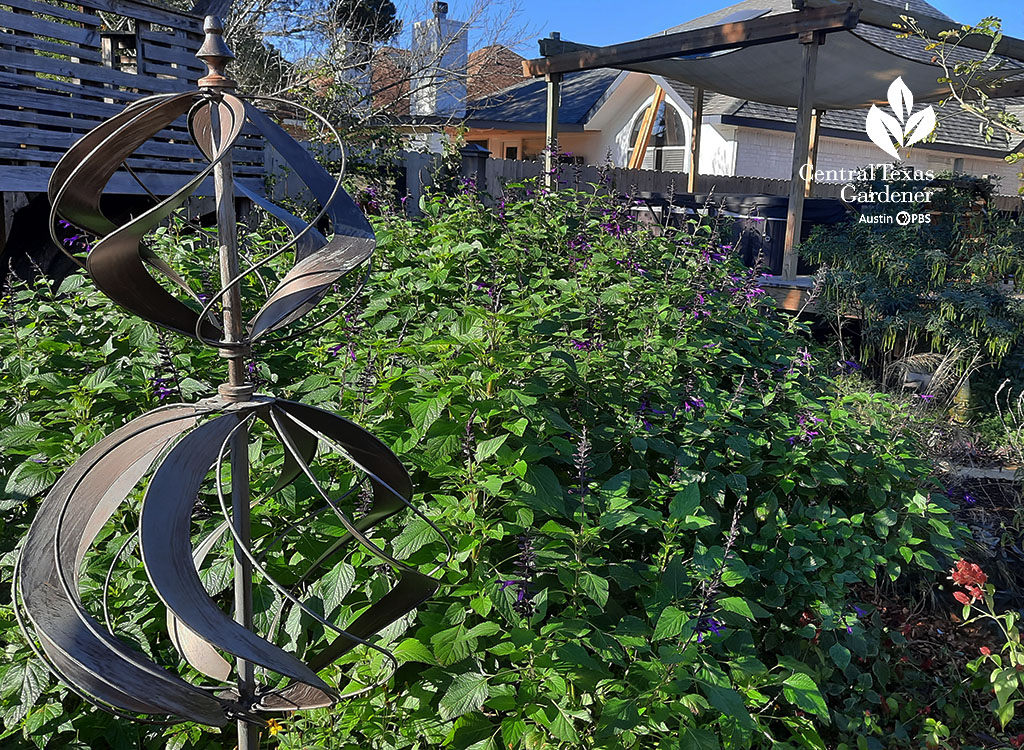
(905,129)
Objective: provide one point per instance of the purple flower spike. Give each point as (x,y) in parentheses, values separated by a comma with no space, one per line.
(708,626)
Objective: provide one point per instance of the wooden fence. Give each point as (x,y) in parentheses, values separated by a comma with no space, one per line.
(63,69)
(500,172)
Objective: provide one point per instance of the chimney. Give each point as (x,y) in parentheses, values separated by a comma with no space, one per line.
(440,52)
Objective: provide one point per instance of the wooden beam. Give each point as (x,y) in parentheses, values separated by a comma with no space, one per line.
(643,138)
(695,128)
(801,147)
(763,30)
(812,152)
(554,83)
(876,13)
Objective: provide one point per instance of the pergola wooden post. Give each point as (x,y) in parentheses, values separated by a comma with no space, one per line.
(812,154)
(695,128)
(554,82)
(801,151)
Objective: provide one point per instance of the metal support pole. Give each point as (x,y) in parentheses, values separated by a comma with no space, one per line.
(554,81)
(236,389)
(801,146)
(216,55)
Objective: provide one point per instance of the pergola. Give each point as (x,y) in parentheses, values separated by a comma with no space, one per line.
(781,58)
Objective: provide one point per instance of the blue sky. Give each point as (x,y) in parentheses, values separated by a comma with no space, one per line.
(607,22)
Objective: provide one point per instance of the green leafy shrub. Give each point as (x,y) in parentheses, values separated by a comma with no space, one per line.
(932,287)
(660,504)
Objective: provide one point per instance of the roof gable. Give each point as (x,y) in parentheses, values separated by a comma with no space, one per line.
(526,102)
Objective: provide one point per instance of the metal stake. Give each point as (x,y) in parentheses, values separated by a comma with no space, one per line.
(216,55)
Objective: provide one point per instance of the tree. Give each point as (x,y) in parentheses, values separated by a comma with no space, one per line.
(973,78)
(368,21)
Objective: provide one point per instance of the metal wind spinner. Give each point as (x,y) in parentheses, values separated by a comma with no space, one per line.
(180,444)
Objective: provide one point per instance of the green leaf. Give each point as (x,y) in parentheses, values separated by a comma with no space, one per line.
(451,645)
(670,623)
(424,413)
(416,534)
(736,604)
(840,655)
(685,502)
(728,702)
(698,739)
(25,680)
(19,435)
(483,629)
(413,650)
(466,693)
(800,690)
(42,715)
(595,587)
(487,448)
(1004,682)
(512,730)
(1005,713)
(561,726)
(30,479)
(481,605)
(546,492)
(617,488)
(335,586)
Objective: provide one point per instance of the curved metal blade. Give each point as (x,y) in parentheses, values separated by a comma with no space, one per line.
(312,240)
(165,544)
(390,483)
(197,651)
(66,524)
(74,191)
(312,276)
(116,263)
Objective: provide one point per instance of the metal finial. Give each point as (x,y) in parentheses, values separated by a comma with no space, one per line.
(216,54)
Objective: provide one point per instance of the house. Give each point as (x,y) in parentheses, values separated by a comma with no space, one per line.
(601,112)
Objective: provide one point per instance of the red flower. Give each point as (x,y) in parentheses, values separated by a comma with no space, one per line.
(972,578)
(968,574)
(985,651)
(1017,740)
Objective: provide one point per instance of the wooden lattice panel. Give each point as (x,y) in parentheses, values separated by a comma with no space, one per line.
(66,67)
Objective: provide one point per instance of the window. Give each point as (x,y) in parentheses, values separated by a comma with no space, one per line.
(511,152)
(666,151)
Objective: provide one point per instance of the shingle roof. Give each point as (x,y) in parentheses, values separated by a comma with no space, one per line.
(581,92)
(526,102)
(957,129)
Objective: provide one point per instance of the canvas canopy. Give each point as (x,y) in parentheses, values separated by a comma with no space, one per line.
(854,70)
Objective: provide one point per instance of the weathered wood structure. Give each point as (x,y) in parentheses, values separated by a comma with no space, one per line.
(66,67)
(808,85)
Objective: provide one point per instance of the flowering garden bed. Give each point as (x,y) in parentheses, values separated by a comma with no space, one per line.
(673,526)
